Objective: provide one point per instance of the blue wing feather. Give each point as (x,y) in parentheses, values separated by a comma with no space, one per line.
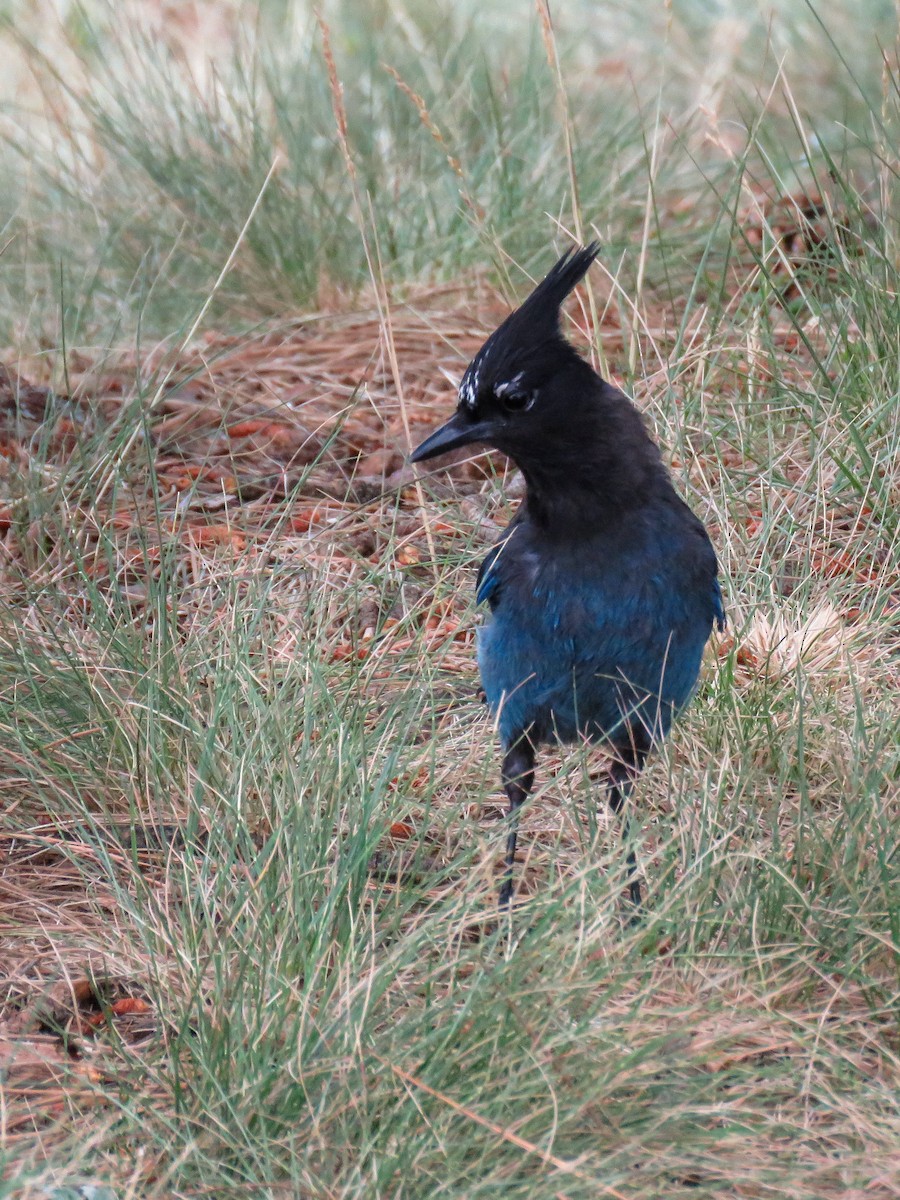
(568,653)
(487,586)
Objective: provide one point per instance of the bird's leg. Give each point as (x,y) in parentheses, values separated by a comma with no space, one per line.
(622,775)
(518,776)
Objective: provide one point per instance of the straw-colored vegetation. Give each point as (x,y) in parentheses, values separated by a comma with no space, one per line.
(251,825)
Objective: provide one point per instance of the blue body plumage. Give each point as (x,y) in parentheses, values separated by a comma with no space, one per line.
(603,589)
(574,649)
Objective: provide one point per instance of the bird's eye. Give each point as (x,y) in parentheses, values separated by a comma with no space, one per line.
(513,399)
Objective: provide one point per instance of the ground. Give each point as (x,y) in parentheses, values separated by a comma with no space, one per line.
(252,825)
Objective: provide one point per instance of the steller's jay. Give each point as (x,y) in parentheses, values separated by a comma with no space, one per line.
(602,589)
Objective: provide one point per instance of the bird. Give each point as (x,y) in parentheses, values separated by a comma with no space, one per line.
(603,590)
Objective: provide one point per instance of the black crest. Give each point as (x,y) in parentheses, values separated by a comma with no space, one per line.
(541,309)
(534,323)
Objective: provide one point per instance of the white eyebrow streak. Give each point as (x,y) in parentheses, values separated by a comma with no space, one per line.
(510,385)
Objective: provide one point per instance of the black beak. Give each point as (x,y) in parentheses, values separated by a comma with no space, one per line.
(460,430)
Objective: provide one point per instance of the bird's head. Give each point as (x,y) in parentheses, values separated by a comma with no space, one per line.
(519,387)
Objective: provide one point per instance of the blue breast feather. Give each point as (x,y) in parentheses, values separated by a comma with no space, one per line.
(571,649)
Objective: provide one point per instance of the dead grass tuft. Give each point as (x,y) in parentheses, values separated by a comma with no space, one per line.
(274,466)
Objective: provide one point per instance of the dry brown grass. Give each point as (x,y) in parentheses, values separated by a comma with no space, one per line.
(287,451)
(251,825)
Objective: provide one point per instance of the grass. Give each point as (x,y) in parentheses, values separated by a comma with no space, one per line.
(251,824)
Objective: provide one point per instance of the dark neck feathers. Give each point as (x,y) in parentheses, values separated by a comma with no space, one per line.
(594,467)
